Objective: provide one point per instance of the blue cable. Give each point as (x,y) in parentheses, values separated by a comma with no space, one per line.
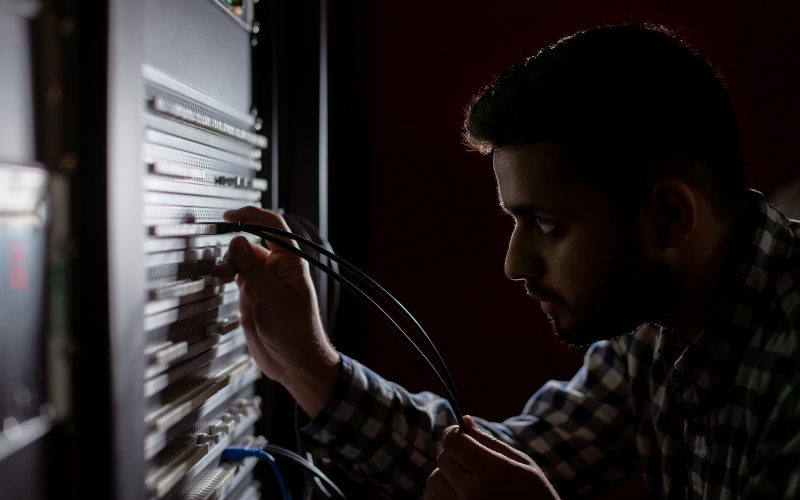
(238,453)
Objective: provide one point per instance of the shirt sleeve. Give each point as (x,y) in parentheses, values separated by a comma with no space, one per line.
(579,432)
(582,433)
(379,432)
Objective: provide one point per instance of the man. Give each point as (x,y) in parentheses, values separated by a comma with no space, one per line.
(617,153)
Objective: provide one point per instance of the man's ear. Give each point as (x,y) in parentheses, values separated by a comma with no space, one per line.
(672,213)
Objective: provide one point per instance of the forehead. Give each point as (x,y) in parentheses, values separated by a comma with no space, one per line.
(537,178)
(534,174)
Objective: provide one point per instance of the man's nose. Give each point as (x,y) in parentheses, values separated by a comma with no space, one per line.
(523,260)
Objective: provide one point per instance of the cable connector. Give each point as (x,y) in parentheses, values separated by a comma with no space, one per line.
(228,227)
(239,453)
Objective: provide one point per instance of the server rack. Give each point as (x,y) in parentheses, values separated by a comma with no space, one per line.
(174,145)
(199,154)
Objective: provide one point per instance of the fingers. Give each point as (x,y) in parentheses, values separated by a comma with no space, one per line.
(471,425)
(482,437)
(452,470)
(255,215)
(261,217)
(224,271)
(247,311)
(453,448)
(495,444)
(246,307)
(438,487)
(250,266)
(477,451)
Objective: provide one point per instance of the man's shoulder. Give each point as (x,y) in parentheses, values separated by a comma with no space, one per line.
(783,315)
(773,356)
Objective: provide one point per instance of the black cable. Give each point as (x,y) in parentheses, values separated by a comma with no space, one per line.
(447,384)
(294,457)
(369,281)
(328,289)
(265,234)
(320,486)
(347,284)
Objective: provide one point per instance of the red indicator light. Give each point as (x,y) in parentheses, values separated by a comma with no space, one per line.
(17,275)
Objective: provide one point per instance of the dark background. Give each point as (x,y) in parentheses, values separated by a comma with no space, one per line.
(418,212)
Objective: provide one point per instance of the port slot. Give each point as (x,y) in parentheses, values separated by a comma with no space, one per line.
(195,115)
(220,356)
(160,481)
(164,443)
(166,158)
(219,345)
(230,378)
(171,127)
(167,185)
(210,254)
(173,230)
(152,245)
(156,198)
(160,145)
(177,290)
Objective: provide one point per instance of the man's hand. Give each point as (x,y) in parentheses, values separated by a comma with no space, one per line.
(280,314)
(479,466)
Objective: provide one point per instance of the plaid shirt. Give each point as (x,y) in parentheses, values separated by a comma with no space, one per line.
(718,418)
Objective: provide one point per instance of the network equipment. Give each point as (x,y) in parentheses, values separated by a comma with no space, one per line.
(201,155)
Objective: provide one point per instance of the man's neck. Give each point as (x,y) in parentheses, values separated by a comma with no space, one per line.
(707,266)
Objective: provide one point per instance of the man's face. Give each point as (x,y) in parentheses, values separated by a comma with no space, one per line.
(590,274)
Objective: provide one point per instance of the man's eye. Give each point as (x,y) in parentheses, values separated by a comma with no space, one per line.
(546,225)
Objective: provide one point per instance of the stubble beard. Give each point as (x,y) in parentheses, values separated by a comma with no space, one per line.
(586,334)
(637,300)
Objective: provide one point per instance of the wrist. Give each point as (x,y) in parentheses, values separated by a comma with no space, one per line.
(311,381)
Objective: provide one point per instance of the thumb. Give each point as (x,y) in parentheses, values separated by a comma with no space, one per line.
(252,269)
(494,444)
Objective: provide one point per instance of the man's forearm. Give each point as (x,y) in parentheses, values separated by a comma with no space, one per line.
(311,385)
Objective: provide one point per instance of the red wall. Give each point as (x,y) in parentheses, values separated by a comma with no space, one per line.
(437,238)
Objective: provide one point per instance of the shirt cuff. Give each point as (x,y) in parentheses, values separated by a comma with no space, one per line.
(324,428)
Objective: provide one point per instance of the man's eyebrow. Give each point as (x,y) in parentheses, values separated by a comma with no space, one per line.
(524,209)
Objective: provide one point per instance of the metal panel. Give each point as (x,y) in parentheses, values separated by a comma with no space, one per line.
(195,42)
(26,415)
(16,87)
(125,258)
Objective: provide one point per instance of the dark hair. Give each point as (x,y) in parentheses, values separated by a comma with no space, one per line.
(628,104)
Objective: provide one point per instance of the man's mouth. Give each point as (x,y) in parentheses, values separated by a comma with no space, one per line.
(547,304)
(547,301)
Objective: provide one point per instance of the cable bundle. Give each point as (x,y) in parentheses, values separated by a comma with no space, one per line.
(237,453)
